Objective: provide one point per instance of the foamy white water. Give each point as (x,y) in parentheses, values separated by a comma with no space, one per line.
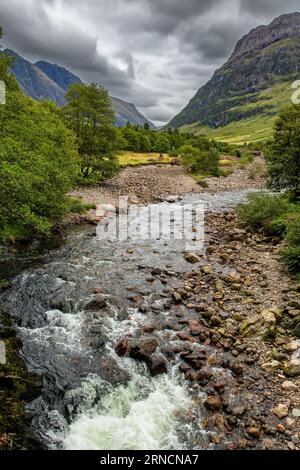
(123,420)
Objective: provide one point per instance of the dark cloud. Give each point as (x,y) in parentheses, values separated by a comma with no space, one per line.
(155,53)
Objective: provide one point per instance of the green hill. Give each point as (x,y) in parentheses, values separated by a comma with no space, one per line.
(241,101)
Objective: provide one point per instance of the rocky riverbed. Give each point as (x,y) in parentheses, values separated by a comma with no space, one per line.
(154,183)
(140,344)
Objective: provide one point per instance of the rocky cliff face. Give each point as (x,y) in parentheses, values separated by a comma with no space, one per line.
(43,80)
(59,75)
(264,57)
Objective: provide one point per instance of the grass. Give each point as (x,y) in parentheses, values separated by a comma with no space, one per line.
(259,128)
(135,159)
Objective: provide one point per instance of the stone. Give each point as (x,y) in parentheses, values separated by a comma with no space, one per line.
(292,346)
(259,325)
(123,347)
(177,297)
(292,367)
(195,327)
(158,365)
(192,258)
(254,432)
(281,411)
(143,350)
(207,269)
(296,413)
(213,403)
(271,366)
(97,303)
(289,386)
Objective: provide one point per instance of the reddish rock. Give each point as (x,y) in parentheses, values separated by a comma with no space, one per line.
(195,327)
(143,350)
(123,347)
(185,337)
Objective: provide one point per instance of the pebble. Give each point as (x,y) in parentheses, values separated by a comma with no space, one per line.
(281,411)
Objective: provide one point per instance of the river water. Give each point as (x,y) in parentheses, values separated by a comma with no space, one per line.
(92,398)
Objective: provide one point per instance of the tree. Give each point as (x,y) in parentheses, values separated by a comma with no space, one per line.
(284,152)
(38,164)
(90,115)
(162,144)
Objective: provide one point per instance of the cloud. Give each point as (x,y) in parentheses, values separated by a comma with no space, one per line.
(154,53)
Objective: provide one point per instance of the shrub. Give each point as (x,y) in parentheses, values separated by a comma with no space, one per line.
(291,258)
(78,207)
(203,183)
(261,209)
(256,170)
(293,231)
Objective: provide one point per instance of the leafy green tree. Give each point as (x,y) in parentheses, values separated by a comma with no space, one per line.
(145,143)
(162,144)
(38,164)
(284,152)
(90,115)
(132,138)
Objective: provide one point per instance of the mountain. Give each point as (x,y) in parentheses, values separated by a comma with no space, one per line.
(34,82)
(242,99)
(61,76)
(43,80)
(127,112)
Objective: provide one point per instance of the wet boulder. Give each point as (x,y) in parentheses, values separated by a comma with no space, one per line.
(123,347)
(157,365)
(97,303)
(143,349)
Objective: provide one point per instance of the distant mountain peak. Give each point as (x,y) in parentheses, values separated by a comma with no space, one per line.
(284,26)
(254,83)
(44,80)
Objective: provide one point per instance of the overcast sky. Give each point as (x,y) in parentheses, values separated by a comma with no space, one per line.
(154,53)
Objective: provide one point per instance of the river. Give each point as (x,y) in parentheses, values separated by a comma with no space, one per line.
(92,398)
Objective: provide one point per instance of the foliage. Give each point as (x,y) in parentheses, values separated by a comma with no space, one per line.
(37,167)
(261,209)
(200,162)
(76,206)
(162,144)
(89,114)
(291,257)
(284,152)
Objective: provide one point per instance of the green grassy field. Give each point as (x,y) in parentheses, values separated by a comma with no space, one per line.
(135,159)
(267,106)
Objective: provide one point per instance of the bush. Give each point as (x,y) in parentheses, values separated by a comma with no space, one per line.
(200,162)
(291,258)
(261,209)
(256,170)
(203,183)
(76,206)
(293,231)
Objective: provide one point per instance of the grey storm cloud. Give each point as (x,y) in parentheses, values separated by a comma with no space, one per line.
(154,53)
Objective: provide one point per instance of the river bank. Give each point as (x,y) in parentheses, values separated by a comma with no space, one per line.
(229,323)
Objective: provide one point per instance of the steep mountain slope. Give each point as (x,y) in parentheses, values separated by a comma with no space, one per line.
(34,82)
(251,87)
(127,112)
(43,80)
(58,74)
